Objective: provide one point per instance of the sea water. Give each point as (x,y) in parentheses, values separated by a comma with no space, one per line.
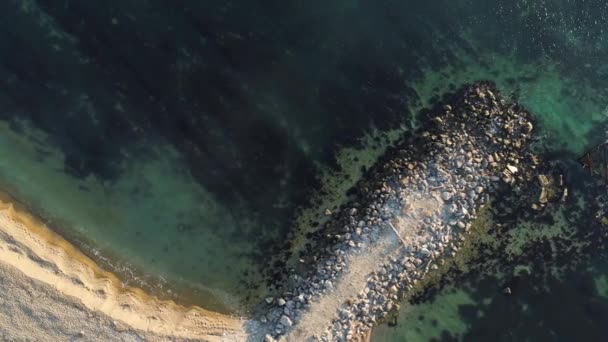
(190,146)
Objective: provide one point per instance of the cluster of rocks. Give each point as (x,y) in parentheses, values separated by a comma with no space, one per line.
(425,192)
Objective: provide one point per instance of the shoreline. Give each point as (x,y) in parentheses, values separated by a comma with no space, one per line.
(31,247)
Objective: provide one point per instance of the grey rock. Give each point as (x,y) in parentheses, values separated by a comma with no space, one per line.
(424,252)
(446,196)
(344,314)
(286,321)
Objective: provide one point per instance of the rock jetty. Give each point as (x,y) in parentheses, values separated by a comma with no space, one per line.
(413,208)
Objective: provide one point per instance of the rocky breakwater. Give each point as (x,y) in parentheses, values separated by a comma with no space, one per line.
(414,207)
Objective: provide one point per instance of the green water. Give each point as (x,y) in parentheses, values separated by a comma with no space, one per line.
(566,92)
(206,136)
(144,223)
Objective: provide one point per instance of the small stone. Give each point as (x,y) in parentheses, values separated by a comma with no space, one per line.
(446,196)
(281,302)
(424,252)
(543,180)
(344,314)
(564,195)
(542,198)
(479,189)
(327,212)
(447,107)
(512,169)
(269,300)
(507,290)
(286,321)
(268,338)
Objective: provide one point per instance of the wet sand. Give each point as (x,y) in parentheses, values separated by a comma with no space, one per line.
(52,291)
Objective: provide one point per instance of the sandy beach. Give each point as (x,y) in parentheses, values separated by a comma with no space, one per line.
(53,292)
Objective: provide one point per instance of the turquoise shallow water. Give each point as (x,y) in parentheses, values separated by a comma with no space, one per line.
(188,145)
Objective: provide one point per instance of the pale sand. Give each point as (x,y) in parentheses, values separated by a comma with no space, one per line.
(50,291)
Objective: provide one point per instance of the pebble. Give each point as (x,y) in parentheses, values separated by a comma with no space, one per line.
(424,252)
(285,321)
(512,169)
(446,196)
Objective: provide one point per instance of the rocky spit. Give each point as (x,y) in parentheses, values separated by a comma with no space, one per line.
(422,197)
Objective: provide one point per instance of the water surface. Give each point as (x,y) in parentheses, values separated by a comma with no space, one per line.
(188,144)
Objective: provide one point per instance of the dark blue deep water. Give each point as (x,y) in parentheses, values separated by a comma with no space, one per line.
(192,146)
